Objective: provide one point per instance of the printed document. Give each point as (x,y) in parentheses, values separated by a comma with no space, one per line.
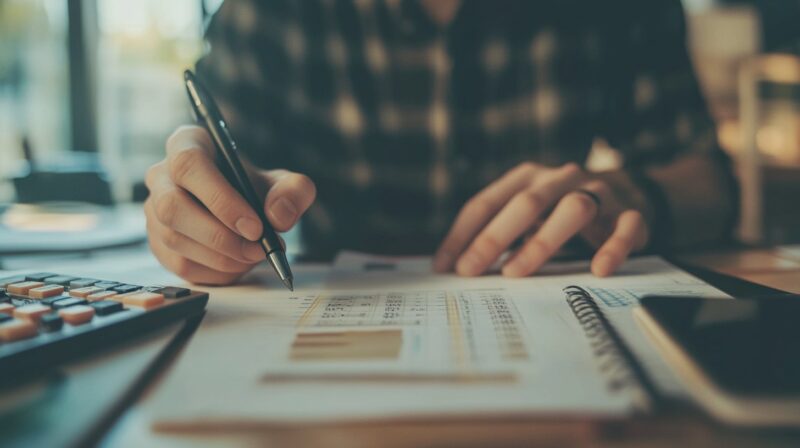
(376,337)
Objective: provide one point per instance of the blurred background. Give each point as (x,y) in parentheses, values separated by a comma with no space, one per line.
(92,88)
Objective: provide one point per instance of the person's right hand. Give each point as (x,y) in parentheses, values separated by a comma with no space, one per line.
(199,226)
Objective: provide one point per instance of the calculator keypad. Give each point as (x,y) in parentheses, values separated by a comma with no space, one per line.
(43,302)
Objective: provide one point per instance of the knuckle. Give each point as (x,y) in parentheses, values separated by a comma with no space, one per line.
(221,205)
(183,268)
(478,206)
(152,173)
(225,264)
(183,164)
(571,169)
(531,199)
(171,239)
(583,204)
(147,207)
(218,239)
(187,131)
(527,168)
(537,244)
(486,246)
(166,207)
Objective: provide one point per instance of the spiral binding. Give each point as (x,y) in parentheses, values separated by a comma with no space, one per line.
(615,360)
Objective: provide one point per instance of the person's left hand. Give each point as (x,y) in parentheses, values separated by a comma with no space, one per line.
(548,206)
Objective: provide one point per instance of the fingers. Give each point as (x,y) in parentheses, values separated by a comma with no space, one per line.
(199,226)
(190,160)
(478,211)
(188,269)
(629,235)
(195,251)
(176,210)
(574,212)
(290,195)
(524,209)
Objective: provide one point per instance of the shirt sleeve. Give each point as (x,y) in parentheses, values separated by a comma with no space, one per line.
(656,116)
(239,69)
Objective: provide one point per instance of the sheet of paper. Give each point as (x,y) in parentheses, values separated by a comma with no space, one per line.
(385,338)
(616,295)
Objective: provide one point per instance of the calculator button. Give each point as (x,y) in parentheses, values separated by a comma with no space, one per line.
(32,312)
(102,295)
(84,292)
(51,300)
(21,289)
(106,307)
(46,291)
(16,329)
(124,289)
(62,280)
(144,299)
(77,315)
(82,282)
(66,303)
(6,308)
(173,292)
(51,321)
(106,285)
(39,276)
(11,280)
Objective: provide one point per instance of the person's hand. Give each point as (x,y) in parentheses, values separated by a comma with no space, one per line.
(199,226)
(547,207)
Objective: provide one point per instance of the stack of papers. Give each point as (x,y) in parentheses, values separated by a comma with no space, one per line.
(382,338)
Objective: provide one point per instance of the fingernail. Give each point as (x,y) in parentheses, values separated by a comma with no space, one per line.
(442,261)
(513,270)
(249,228)
(602,267)
(521,265)
(468,265)
(283,212)
(253,252)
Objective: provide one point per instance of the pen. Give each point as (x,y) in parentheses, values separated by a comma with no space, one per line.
(207,114)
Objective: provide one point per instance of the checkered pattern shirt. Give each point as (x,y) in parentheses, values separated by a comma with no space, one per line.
(399,120)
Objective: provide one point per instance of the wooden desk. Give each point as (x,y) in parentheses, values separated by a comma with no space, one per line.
(684,427)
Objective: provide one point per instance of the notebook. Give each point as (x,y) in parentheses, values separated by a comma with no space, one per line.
(377,338)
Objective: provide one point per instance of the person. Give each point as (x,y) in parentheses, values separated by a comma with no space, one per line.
(452,127)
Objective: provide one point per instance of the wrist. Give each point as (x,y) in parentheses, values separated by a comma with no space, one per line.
(636,191)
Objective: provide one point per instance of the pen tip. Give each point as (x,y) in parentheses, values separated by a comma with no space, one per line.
(288,283)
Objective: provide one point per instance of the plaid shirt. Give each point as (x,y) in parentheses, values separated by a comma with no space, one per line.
(399,120)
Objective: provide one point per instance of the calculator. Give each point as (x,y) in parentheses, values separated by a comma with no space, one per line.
(47,319)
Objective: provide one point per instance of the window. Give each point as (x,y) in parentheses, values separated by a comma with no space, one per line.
(142,49)
(34,79)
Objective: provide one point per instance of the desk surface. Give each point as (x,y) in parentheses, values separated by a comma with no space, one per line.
(776,268)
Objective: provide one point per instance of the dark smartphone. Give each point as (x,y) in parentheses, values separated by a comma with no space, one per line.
(740,358)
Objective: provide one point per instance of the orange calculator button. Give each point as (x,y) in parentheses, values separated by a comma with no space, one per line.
(102,295)
(46,291)
(143,299)
(76,315)
(16,329)
(32,312)
(21,289)
(84,292)
(6,308)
